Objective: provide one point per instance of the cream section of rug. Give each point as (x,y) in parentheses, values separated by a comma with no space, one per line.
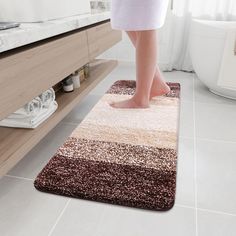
(154,126)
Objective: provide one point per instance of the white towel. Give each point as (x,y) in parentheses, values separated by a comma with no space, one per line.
(138,14)
(30,122)
(47,97)
(34,107)
(31,108)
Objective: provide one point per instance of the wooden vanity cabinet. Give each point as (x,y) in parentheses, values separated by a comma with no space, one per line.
(100,38)
(27,71)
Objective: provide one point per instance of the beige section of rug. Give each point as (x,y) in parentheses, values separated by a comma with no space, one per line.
(153,126)
(118,153)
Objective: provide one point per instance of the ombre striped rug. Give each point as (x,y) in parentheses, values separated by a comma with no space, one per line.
(120,156)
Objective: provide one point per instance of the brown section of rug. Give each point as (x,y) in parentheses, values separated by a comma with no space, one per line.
(128,87)
(117,172)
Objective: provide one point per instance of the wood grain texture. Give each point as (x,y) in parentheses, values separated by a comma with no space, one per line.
(100,38)
(29,72)
(16,142)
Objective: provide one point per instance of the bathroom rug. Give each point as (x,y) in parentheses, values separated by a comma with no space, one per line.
(120,156)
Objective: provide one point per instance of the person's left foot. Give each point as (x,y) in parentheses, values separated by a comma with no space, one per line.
(129,103)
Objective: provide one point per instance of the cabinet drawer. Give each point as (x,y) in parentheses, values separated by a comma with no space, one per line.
(27,72)
(101,38)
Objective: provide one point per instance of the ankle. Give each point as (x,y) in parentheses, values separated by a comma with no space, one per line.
(141,100)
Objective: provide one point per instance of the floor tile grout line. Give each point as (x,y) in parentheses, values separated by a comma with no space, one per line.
(208,139)
(186,137)
(216,140)
(59,217)
(216,212)
(216,103)
(195,156)
(18,177)
(178,205)
(185,206)
(205,209)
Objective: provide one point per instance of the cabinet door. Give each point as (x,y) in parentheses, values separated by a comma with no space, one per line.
(101,38)
(28,71)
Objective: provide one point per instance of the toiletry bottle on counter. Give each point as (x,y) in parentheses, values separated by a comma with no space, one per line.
(81,74)
(67,84)
(86,70)
(76,79)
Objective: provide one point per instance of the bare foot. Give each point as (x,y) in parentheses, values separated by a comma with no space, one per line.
(129,103)
(159,88)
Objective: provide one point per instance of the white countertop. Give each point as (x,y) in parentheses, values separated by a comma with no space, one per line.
(31,32)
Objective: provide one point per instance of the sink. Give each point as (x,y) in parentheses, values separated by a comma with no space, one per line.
(41,10)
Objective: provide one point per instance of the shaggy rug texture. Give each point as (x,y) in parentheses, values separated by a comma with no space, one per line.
(120,156)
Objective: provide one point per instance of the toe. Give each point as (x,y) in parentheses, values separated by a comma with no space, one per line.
(112,104)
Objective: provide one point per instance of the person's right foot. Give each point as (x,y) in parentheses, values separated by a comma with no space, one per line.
(159,88)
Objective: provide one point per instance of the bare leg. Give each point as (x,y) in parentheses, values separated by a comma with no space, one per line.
(146,58)
(159,86)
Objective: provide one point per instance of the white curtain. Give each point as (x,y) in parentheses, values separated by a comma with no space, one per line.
(179,24)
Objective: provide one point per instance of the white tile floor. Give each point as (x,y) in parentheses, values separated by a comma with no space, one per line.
(206,181)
